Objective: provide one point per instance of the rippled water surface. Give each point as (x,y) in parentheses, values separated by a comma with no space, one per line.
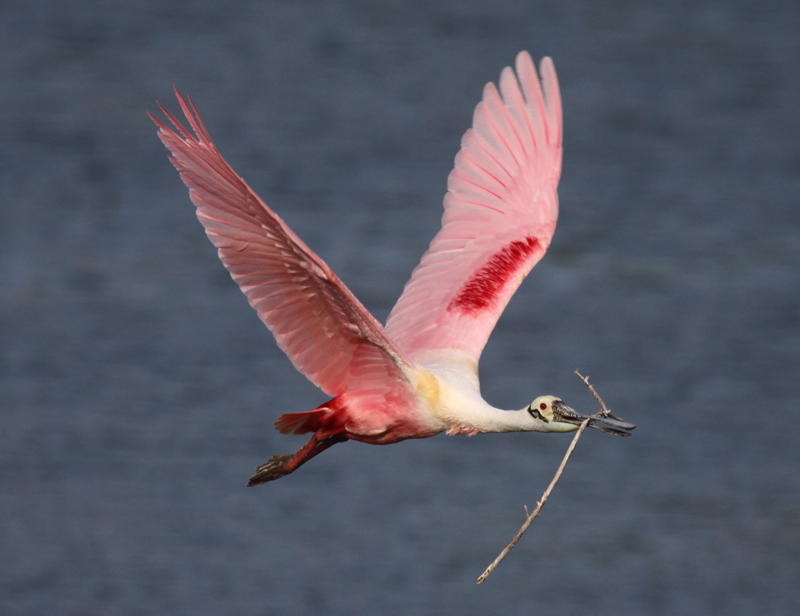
(138,389)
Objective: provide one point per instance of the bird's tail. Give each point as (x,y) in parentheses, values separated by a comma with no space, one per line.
(300,423)
(324,416)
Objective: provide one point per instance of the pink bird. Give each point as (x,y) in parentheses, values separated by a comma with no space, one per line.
(418,376)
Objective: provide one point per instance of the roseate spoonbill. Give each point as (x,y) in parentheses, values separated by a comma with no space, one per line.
(418,376)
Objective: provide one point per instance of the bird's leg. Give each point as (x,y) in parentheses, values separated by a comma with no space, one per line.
(278,466)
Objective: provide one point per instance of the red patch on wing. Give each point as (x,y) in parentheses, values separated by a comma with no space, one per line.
(487,283)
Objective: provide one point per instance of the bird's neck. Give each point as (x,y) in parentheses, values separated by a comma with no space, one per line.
(454,399)
(476,418)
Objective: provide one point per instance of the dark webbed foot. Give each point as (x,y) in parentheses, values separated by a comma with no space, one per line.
(274,469)
(278,466)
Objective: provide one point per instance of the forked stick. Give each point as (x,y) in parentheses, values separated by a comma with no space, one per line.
(535,513)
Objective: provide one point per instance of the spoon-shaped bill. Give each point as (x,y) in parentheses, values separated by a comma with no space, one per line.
(566,414)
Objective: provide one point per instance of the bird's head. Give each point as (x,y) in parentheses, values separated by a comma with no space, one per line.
(558,417)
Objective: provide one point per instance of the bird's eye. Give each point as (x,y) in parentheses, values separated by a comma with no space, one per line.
(543,406)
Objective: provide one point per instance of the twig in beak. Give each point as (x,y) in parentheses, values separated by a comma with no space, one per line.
(535,513)
(605,412)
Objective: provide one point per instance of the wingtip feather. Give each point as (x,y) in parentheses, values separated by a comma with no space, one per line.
(552,95)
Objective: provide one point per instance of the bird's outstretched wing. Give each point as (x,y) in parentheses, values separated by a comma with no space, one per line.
(500,214)
(326,332)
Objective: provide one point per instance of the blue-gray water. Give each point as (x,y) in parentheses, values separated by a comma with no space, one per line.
(138,389)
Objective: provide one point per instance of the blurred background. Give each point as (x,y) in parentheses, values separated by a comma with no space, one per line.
(138,389)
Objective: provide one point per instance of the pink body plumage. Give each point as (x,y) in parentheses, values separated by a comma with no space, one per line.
(418,376)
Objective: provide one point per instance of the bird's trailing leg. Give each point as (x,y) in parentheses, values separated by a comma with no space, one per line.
(278,466)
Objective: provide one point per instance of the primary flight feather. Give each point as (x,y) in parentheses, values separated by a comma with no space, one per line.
(418,376)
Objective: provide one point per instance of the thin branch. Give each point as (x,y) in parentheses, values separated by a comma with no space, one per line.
(586,382)
(535,513)
(606,412)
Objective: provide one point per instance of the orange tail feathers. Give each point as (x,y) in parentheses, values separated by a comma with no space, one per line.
(324,416)
(300,423)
